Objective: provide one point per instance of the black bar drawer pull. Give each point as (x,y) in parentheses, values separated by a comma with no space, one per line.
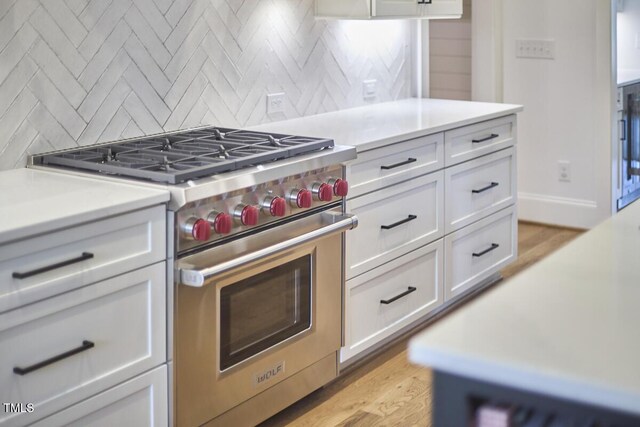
(397,297)
(86,345)
(492,136)
(85,256)
(488,187)
(397,165)
(395,224)
(494,246)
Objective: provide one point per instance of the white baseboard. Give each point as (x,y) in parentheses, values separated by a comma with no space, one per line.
(560,210)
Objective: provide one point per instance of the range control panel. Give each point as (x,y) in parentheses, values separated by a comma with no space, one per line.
(221,216)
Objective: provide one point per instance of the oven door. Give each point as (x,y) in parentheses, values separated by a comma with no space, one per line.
(264,306)
(257,311)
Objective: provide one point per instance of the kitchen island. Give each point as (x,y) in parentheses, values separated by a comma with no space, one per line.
(559,340)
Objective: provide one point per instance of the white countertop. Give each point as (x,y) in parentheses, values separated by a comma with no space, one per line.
(35,201)
(628,77)
(567,327)
(381,124)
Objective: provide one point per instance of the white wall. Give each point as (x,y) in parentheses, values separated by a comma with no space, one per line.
(568,104)
(628,30)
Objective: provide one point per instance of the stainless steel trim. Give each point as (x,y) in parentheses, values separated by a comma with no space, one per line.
(628,198)
(279,396)
(198,277)
(191,191)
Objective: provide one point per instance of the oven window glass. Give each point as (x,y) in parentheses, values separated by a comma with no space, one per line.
(263,310)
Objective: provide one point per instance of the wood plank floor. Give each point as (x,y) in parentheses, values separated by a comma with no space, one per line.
(386,390)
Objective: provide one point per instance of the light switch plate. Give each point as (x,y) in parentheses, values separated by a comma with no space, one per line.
(369,89)
(275,103)
(564,171)
(536,49)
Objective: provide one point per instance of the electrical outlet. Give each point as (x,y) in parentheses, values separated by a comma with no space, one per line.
(564,171)
(536,49)
(275,103)
(369,89)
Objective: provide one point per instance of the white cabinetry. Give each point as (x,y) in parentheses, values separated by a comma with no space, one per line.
(395,220)
(479,187)
(437,217)
(384,300)
(140,402)
(475,252)
(39,267)
(372,9)
(73,326)
(408,8)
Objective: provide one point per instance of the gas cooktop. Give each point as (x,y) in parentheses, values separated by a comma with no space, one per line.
(184,155)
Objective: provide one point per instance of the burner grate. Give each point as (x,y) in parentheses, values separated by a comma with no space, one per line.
(181,156)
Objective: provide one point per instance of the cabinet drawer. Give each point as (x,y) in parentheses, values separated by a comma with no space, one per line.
(411,286)
(471,141)
(394,221)
(94,252)
(141,401)
(124,318)
(389,165)
(479,250)
(478,188)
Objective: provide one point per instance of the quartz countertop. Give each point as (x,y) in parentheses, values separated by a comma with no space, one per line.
(381,124)
(34,202)
(628,76)
(567,327)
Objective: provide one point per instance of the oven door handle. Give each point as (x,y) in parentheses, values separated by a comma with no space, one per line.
(199,277)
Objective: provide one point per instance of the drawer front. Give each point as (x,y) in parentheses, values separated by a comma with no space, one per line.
(384,300)
(468,142)
(395,220)
(389,165)
(124,318)
(479,250)
(94,252)
(141,401)
(479,188)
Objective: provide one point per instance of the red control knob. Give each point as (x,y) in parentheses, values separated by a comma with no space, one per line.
(247,214)
(301,198)
(220,222)
(323,192)
(340,187)
(201,230)
(278,206)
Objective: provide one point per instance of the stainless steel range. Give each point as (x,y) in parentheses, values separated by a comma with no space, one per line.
(257,226)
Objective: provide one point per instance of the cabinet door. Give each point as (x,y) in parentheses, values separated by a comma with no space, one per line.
(479,250)
(396,8)
(139,402)
(443,8)
(478,188)
(64,349)
(394,221)
(382,301)
(354,9)
(40,267)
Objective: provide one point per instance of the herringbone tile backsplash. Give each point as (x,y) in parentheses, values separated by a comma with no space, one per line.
(76,72)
